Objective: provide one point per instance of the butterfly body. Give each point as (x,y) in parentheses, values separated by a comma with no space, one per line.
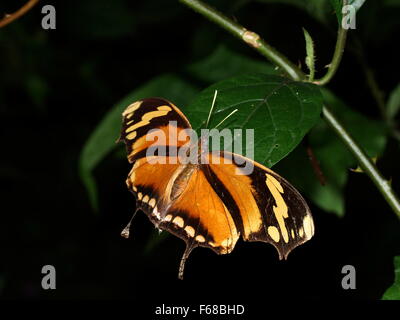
(208,199)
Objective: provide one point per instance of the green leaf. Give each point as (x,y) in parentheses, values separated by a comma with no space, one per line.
(280,111)
(369,133)
(393,104)
(393,293)
(297,169)
(357,3)
(103,138)
(338,5)
(310,58)
(224,63)
(334,158)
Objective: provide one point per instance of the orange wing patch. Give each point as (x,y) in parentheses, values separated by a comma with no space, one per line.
(152,121)
(241,189)
(200,216)
(164,139)
(149,182)
(270,208)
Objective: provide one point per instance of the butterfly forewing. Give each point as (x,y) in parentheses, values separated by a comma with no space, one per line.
(145,121)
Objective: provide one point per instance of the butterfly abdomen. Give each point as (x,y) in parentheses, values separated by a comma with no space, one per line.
(181,181)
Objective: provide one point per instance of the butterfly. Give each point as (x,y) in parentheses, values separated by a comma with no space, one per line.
(209,203)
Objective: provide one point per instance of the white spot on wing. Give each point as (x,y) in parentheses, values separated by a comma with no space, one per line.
(308,225)
(178,221)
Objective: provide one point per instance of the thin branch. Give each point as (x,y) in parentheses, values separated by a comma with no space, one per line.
(364,161)
(296,74)
(251,38)
(8,18)
(337,54)
(336,59)
(315,165)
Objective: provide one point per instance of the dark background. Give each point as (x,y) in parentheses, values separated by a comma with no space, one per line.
(56,85)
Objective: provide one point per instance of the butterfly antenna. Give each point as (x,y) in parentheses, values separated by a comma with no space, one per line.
(185,256)
(223,120)
(125,232)
(212,108)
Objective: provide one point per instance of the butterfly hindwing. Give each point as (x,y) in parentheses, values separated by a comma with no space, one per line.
(270,208)
(149,180)
(189,208)
(200,217)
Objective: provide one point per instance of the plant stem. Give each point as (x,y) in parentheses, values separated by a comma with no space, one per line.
(251,38)
(337,54)
(364,161)
(8,18)
(337,57)
(295,73)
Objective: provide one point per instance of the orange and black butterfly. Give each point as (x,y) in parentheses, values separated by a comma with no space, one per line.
(209,203)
